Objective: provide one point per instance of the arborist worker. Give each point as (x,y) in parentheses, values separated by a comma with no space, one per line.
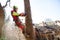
(15,16)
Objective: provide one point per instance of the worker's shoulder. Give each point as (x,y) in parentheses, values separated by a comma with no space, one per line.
(12,10)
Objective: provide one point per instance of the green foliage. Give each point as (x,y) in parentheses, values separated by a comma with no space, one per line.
(2,38)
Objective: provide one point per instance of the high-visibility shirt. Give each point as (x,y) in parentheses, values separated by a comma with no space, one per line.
(15,14)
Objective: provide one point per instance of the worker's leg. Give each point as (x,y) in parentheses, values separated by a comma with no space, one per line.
(19,25)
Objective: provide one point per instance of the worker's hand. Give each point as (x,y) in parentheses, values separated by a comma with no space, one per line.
(22,14)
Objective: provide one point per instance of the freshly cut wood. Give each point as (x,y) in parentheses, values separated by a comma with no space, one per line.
(12,32)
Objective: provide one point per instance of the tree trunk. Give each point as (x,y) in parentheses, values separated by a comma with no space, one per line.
(1,19)
(29,26)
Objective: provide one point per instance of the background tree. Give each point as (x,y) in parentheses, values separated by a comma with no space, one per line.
(1,18)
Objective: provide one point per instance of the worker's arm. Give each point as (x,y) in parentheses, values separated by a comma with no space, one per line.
(16,14)
(22,14)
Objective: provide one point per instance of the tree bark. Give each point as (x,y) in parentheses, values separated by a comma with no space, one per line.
(1,19)
(28,20)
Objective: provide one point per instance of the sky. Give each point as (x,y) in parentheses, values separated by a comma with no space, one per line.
(40,9)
